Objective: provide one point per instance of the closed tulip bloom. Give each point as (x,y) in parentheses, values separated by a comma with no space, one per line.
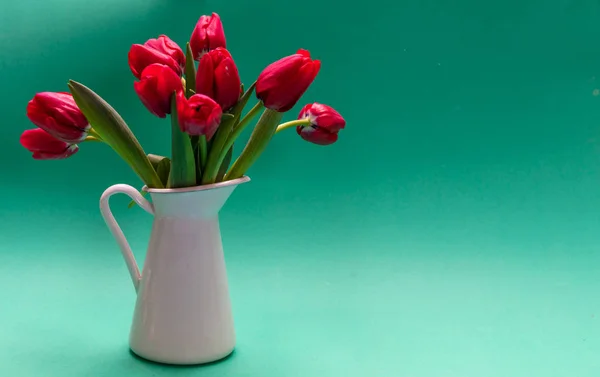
(44,146)
(160,50)
(198,115)
(207,35)
(283,82)
(157,84)
(218,78)
(325,123)
(58,114)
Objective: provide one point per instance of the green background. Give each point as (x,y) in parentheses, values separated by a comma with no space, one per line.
(453,231)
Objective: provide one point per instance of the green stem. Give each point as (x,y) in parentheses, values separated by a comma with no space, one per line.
(238,130)
(189,84)
(262,134)
(183,168)
(214,156)
(194,140)
(225,139)
(293,123)
(197,163)
(190,72)
(246,119)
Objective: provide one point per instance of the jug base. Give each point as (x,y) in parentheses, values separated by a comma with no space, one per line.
(184,359)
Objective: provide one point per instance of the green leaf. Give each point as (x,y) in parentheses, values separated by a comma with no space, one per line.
(162,165)
(194,141)
(190,72)
(133,203)
(224,165)
(163,169)
(155,159)
(203,148)
(114,131)
(183,165)
(260,137)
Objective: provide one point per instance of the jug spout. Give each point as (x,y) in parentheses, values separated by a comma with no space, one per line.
(193,202)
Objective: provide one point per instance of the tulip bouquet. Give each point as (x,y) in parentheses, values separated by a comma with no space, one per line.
(205,102)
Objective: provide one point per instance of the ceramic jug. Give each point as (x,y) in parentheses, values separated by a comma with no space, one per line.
(183,312)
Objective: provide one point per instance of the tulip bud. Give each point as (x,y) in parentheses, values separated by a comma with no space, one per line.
(198,115)
(207,35)
(283,82)
(45,146)
(161,50)
(157,85)
(58,114)
(325,124)
(218,78)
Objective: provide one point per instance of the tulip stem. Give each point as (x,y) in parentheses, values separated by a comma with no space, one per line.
(293,123)
(218,156)
(246,119)
(215,156)
(237,130)
(260,137)
(183,167)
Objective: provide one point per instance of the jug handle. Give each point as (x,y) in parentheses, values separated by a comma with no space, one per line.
(116,231)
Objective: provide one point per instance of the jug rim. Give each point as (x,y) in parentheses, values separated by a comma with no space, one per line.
(211,186)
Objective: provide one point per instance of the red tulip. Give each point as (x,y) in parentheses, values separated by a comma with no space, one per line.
(218,78)
(45,146)
(207,35)
(58,114)
(283,82)
(161,50)
(198,115)
(157,85)
(325,124)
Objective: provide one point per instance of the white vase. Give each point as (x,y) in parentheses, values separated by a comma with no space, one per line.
(183,311)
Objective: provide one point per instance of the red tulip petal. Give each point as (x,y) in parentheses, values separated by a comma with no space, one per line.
(303,52)
(205,77)
(146,90)
(283,82)
(208,34)
(317,136)
(227,84)
(199,115)
(58,114)
(323,116)
(168,47)
(44,146)
(141,57)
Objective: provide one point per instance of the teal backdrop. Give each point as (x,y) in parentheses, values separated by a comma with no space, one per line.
(452,231)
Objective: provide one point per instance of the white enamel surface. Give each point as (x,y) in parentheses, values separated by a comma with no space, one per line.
(183,311)
(116,230)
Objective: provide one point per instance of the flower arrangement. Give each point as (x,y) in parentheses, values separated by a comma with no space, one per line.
(201,90)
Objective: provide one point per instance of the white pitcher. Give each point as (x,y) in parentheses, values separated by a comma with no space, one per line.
(183,311)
